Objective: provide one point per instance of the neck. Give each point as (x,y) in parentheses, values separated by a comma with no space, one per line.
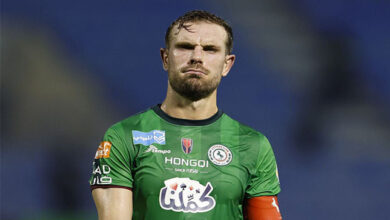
(177,106)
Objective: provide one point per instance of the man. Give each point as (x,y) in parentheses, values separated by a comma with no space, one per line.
(185,158)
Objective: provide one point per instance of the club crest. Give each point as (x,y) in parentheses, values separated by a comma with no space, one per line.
(186,145)
(220,155)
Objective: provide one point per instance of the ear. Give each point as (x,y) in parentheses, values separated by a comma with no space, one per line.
(164,58)
(229,61)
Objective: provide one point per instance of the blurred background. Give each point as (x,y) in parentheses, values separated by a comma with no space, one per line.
(313,76)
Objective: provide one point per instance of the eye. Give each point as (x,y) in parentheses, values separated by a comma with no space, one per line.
(210,49)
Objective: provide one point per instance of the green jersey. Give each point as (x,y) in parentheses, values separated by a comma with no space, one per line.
(186,169)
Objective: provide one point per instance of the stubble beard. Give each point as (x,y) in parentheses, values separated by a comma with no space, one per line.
(193,87)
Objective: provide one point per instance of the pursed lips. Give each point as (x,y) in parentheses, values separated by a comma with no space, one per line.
(195,71)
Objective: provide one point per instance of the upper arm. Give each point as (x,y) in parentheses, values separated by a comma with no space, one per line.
(112,178)
(264,180)
(113,203)
(261,201)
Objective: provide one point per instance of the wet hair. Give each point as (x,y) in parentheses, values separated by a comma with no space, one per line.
(196,16)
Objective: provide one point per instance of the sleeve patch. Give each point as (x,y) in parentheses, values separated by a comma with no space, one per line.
(103,150)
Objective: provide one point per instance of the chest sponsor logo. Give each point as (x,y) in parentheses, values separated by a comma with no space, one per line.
(186,145)
(220,155)
(148,138)
(186,195)
(186,162)
(103,150)
(154,149)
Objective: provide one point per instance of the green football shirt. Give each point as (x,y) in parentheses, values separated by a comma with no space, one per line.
(185,169)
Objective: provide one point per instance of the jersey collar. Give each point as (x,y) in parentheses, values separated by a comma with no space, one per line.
(179,121)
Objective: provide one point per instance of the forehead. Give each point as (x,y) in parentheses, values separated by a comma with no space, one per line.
(200,32)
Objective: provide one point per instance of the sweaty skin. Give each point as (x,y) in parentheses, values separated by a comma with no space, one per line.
(113,203)
(197,48)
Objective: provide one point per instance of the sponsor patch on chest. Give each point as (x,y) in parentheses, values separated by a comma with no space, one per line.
(186,195)
(148,138)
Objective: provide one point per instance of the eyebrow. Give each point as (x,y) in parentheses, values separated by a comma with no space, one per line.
(211,47)
(184,44)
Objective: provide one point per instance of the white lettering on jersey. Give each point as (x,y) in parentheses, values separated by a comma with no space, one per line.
(186,195)
(186,162)
(154,149)
(101,178)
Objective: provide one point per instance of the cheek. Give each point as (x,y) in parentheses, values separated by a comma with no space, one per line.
(179,57)
(216,62)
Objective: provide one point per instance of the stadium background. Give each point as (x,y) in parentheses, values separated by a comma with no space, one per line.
(313,76)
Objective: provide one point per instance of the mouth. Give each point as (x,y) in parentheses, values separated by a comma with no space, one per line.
(194,71)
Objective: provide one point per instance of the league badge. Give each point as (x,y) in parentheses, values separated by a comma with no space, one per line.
(220,155)
(186,145)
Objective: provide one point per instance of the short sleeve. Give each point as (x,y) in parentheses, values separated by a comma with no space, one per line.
(264,180)
(113,162)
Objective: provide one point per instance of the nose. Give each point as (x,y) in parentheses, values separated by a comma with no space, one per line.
(197,55)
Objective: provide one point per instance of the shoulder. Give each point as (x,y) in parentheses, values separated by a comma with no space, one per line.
(133,121)
(244,130)
(252,143)
(124,127)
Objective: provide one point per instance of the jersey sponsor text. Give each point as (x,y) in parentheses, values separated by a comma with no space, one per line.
(186,195)
(100,174)
(154,149)
(148,138)
(186,162)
